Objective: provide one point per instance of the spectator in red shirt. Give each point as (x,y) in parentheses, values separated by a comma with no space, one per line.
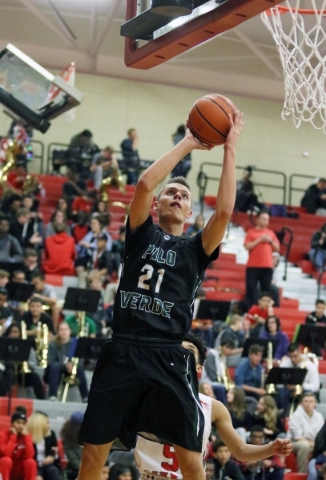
(260,242)
(84,203)
(258,314)
(17,177)
(81,227)
(59,252)
(17,451)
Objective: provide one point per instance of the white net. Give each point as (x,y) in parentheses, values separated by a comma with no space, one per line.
(299,30)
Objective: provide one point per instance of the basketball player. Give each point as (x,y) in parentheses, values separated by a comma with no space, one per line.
(141,380)
(155,461)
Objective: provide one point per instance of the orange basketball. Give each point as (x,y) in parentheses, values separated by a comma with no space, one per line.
(209,119)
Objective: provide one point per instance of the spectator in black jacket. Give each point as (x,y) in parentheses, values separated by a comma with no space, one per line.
(315,196)
(318,454)
(129,147)
(27,230)
(225,468)
(45,446)
(10,249)
(317,317)
(317,253)
(35,315)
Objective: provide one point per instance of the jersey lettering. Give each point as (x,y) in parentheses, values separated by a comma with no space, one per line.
(157,254)
(173,464)
(137,301)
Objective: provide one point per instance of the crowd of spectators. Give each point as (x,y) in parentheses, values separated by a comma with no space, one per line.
(76,242)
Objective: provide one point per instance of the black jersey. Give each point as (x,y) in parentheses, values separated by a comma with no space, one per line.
(159,279)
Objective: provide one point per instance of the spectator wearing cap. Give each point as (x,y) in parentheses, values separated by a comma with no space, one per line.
(17,451)
(73,450)
(10,248)
(84,203)
(60,252)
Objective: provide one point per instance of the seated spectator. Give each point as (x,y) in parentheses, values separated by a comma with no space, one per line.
(224,466)
(81,152)
(119,244)
(30,263)
(101,211)
(10,248)
(85,203)
(296,359)
(46,293)
(4,278)
(317,253)
(17,177)
(101,261)
(272,331)
(103,165)
(17,451)
(35,315)
(318,455)
(27,230)
(99,317)
(315,196)
(57,217)
(81,228)
(258,314)
(74,325)
(248,374)
(234,333)
(45,446)
(59,252)
(241,418)
(197,226)
(210,469)
(304,426)
(64,207)
(246,199)
(6,312)
(129,148)
(74,187)
(29,202)
(268,417)
(73,450)
(214,370)
(10,206)
(87,246)
(271,468)
(123,471)
(28,379)
(318,316)
(61,349)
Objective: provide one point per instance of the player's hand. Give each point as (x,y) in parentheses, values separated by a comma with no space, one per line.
(282,446)
(236,127)
(196,144)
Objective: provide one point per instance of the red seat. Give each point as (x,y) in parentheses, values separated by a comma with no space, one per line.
(55,280)
(62,455)
(291,463)
(295,476)
(5,422)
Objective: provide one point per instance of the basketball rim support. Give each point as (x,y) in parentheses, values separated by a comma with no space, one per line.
(225,16)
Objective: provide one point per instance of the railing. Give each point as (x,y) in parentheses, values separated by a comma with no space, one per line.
(53,146)
(203,179)
(293,188)
(38,156)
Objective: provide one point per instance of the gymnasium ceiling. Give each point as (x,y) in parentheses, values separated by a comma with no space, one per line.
(242,61)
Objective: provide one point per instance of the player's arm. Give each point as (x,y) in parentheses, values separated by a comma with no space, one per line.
(241,451)
(214,230)
(155,174)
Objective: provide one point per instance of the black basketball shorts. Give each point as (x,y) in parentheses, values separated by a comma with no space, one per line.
(145,389)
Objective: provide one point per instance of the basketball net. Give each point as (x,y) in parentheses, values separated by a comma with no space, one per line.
(68,74)
(300,37)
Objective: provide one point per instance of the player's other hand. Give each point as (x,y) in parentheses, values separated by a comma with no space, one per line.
(282,446)
(236,127)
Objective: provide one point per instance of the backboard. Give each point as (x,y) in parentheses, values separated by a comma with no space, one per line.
(26,90)
(152,38)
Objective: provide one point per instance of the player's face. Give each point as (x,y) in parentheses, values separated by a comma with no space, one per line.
(174,202)
(190,346)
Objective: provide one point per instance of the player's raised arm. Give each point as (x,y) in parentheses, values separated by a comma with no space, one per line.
(215,228)
(241,451)
(155,174)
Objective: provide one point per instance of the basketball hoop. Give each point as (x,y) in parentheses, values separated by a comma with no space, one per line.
(300,37)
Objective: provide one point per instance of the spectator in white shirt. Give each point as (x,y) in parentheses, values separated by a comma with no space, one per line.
(305,423)
(296,359)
